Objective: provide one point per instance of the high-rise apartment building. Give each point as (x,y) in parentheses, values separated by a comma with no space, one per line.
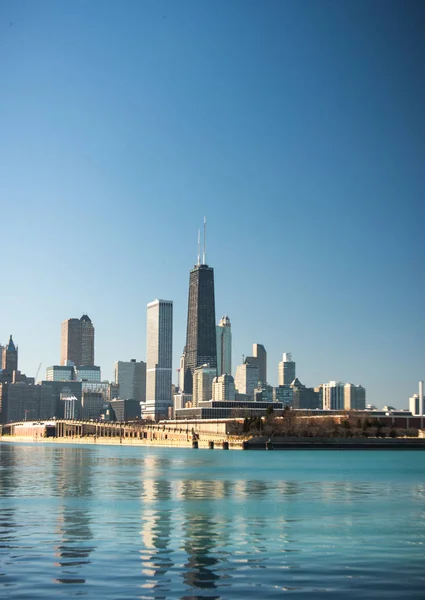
(354,397)
(224,346)
(77,342)
(223,387)
(202,384)
(201,345)
(159,354)
(333,395)
(286,370)
(131,379)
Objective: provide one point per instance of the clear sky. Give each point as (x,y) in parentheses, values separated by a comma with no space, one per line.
(297,128)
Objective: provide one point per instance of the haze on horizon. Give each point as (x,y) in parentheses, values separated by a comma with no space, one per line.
(297,128)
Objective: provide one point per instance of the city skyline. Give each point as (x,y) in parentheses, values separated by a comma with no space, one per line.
(299,136)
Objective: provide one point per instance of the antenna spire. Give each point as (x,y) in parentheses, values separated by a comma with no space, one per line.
(199,247)
(204,254)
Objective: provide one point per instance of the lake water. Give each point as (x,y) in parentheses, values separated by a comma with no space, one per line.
(134,522)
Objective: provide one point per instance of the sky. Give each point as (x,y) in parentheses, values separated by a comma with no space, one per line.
(296,128)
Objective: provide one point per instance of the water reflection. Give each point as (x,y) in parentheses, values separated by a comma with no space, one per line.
(199,543)
(73,483)
(156,535)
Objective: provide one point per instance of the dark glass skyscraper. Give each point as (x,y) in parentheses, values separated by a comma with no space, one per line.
(201,345)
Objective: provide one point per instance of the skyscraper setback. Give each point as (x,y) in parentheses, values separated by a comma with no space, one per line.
(200,346)
(77,342)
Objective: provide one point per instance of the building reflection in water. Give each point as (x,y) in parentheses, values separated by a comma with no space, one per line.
(8,483)
(73,484)
(156,534)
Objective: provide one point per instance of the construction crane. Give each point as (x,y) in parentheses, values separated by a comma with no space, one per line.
(38,371)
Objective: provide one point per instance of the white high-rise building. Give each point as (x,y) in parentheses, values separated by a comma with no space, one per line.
(286,370)
(202,384)
(246,380)
(354,397)
(416,402)
(333,395)
(223,388)
(159,354)
(131,378)
(224,346)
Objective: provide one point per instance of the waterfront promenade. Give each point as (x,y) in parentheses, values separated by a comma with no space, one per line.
(211,435)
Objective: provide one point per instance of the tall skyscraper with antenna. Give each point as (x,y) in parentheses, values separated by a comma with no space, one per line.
(201,333)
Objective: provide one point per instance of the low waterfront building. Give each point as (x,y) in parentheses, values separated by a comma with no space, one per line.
(214,409)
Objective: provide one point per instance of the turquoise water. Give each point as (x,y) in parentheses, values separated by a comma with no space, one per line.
(133,522)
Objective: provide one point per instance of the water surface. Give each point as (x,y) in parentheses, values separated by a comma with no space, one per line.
(133,522)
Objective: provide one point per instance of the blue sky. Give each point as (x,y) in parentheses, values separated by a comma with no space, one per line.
(297,128)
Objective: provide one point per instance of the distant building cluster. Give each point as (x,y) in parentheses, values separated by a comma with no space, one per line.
(207,385)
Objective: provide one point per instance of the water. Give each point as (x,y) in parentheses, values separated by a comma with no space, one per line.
(133,522)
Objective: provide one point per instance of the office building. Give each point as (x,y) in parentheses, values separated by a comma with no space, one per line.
(223,387)
(354,397)
(26,402)
(125,410)
(284,394)
(90,374)
(258,359)
(60,373)
(202,384)
(92,404)
(264,393)
(304,397)
(131,379)
(159,360)
(181,400)
(333,395)
(224,346)
(246,379)
(77,342)
(286,370)
(201,346)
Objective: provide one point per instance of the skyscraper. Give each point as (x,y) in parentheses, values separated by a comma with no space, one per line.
(259,352)
(224,346)
(258,359)
(77,342)
(201,345)
(159,353)
(286,374)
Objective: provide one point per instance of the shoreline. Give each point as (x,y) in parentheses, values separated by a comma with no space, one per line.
(262,443)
